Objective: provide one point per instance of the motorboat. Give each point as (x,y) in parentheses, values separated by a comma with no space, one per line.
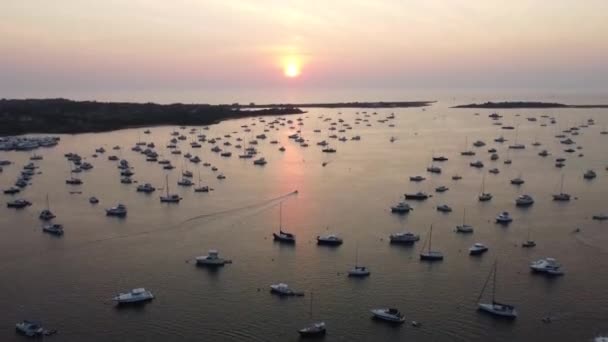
(590,174)
(93,200)
(543,153)
(494,156)
(73,181)
(55,229)
(528,244)
(517,181)
(221,176)
(401,208)
(29,328)
(404,238)
(434,169)
(478,249)
(456,177)
(504,217)
(187,173)
(126,180)
(417,196)
(500,139)
(444,208)
(464,228)
(147,188)
(600,217)
(119,210)
(329,240)
(442,188)
(479,143)
(417,178)
(548,266)
(201,188)
(137,295)
(388,314)
(524,201)
(283,289)
(12,190)
(211,259)
(477,164)
(185,182)
(440,158)
(494,171)
(18,203)
(517,146)
(260,161)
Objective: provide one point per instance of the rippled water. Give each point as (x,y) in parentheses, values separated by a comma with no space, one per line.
(67,282)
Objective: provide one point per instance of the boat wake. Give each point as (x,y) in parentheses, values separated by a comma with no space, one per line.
(261,204)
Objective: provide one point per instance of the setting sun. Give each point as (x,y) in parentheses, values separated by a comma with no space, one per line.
(292,69)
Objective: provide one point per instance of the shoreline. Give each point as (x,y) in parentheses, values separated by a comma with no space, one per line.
(525,105)
(63,116)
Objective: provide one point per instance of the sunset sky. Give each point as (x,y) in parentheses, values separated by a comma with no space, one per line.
(66,45)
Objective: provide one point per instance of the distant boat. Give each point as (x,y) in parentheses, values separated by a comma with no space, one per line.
(417,196)
(134,296)
(478,249)
(329,240)
(211,259)
(548,266)
(484,196)
(282,236)
(46,214)
(119,210)
(357,270)
(283,289)
(464,228)
(169,198)
(316,328)
(430,255)
(495,308)
(528,243)
(55,229)
(388,314)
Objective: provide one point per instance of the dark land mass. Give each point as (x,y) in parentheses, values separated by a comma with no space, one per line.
(381,104)
(522,104)
(67,116)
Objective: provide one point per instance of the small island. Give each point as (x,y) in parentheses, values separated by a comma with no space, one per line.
(67,116)
(524,105)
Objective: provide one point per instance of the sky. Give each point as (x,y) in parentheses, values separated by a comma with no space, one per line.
(55,47)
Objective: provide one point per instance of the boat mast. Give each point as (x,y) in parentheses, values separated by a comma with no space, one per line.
(464,215)
(430,238)
(357,255)
(310,311)
(494,282)
(280,216)
(167,184)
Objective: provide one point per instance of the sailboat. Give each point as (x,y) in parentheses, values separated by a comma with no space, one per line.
(316,328)
(282,236)
(46,214)
(529,243)
(430,255)
(561,196)
(483,197)
(466,151)
(169,198)
(495,308)
(200,188)
(464,228)
(515,145)
(358,271)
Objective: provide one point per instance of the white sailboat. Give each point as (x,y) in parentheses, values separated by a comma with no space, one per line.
(464,228)
(282,236)
(46,214)
(494,307)
(316,328)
